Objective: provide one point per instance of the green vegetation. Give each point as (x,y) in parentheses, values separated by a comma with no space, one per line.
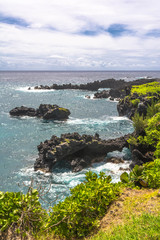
(143,227)
(23,212)
(139,123)
(147,175)
(64,109)
(135,102)
(78,214)
(146,89)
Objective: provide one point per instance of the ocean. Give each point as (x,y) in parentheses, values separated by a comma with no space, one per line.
(19,137)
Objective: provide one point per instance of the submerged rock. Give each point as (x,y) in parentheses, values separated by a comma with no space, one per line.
(45,111)
(75,151)
(115,160)
(102,94)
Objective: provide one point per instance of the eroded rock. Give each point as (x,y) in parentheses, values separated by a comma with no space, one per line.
(75,151)
(45,111)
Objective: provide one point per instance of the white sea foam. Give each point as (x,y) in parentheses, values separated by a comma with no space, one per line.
(32,90)
(101,89)
(3,124)
(103,121)
(90,95)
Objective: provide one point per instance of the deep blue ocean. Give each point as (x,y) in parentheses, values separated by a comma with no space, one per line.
(19,137)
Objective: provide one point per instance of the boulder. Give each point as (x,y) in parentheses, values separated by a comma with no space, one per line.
(102,94)
(139,159)
(45,111)
(115,160)
(23,111)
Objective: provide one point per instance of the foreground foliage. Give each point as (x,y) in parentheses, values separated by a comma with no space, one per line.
(21,212)
(78,214)
(147,175)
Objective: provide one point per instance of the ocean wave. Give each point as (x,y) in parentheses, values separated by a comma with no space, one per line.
(103,121)
(32,90)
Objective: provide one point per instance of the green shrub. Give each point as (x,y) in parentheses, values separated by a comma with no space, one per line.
(151,174)
(152,109)
(139,123)
(132,141)
(135,102)
(147,175)
(24,212)
(78,214)
(153,130)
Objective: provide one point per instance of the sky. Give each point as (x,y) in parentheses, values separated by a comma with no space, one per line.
(79,35)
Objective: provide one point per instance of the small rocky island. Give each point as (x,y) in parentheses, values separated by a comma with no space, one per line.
(45,111)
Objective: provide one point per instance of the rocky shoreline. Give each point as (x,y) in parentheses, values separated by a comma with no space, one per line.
(77,152)
(45,111)
(94,86)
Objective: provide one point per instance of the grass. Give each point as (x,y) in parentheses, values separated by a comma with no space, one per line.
(135,216)
(146,226)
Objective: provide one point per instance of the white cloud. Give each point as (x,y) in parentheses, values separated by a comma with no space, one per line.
(53,39)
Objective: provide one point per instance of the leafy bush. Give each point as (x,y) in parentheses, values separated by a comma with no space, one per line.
(152,109)
(23,212)
(134,178)
(151,174)
(139,123)
(147,175)
(132,141)
(78,214)
(153,129)
(135,102)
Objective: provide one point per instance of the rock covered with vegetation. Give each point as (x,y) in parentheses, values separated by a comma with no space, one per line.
(45,111)
(75,151)
(139,99)
(143,107)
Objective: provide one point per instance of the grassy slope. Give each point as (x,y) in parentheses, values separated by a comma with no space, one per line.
(136,215)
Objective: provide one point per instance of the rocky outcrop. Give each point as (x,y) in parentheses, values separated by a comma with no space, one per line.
(23,111)
(139,159)
(102,94)
(94,86)
(113,93)
(128,105)
(75,151)
(45,111)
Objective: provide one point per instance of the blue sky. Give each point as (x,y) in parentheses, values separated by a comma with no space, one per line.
(79,35)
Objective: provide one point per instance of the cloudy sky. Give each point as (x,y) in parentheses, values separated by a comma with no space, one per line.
(79,35)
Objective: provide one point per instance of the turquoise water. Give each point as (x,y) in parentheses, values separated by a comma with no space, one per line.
(19,137)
